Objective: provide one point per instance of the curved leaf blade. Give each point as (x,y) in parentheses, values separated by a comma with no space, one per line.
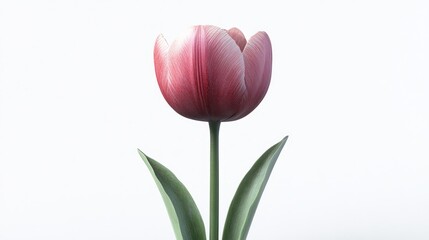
(248,194)
(182,210)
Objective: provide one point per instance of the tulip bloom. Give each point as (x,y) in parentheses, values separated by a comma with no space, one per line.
(212,74)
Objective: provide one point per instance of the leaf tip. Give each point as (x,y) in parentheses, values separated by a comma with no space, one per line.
(140,152)
(143,156)
(283,141)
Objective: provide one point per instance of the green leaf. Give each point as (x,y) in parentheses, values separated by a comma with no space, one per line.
(183,212)
(249,192)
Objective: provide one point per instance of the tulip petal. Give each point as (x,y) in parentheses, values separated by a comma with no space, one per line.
(186,72)
(258,61)
(238,37)
(207,74)
(226,74)
(161,63)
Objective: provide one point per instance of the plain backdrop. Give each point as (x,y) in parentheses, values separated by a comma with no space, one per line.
(78,96)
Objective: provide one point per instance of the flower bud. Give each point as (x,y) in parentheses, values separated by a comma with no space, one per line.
(212,74)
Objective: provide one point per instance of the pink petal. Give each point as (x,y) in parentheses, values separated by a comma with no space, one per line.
(207,73)
(188,74)
(258,62)
(238,37)
(175,90)
(161,62)
(226,74)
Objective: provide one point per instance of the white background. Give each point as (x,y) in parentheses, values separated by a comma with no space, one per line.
(78,96)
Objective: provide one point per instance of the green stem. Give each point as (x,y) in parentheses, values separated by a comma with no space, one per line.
(214,180)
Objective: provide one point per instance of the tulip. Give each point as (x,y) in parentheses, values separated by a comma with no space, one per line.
(211,74)
(214,75)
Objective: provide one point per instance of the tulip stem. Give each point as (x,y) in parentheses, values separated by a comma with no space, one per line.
(214,180)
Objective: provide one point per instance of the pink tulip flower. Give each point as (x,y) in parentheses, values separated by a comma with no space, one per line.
(212,74)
